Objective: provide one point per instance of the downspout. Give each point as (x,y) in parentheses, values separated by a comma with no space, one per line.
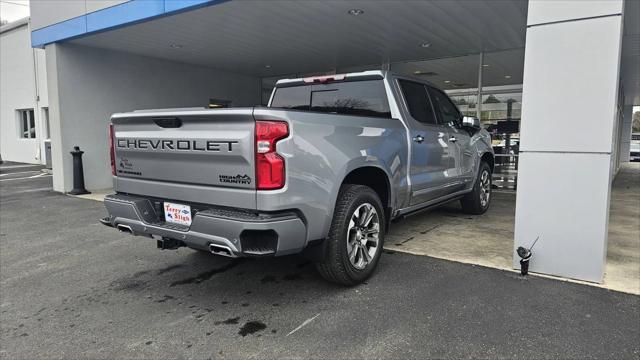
(37,119)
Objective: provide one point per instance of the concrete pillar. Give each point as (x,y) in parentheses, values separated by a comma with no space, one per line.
(570,94)
(625,141)
(58,147)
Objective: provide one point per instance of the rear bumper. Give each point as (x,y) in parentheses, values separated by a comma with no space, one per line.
(244,233)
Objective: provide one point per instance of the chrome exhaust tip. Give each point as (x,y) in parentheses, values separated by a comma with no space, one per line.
(124,228)
(221,250)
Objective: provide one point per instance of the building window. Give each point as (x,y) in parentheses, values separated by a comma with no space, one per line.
(27,124)
(497,107)
(466,103)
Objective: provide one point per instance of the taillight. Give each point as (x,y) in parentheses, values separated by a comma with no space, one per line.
(112,150)
(270,172)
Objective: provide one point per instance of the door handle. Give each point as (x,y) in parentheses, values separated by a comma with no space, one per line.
(418,138)
(453,139)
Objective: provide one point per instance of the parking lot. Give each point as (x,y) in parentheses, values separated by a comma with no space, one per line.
(72,288)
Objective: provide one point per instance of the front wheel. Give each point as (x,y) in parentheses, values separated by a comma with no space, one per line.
(477,201)
(356,236)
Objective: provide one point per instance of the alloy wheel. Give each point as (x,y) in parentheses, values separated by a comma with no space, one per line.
(363,235)
(485,188)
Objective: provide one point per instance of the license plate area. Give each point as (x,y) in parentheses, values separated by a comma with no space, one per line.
(177,214)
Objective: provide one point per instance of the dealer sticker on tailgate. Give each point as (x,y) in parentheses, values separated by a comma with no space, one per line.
(177,213)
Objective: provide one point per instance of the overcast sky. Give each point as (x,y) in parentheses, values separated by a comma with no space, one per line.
(12,10)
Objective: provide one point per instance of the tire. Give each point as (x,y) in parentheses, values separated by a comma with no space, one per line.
(475,201)
(349,238)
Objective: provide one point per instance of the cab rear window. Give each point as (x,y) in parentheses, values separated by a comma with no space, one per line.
(362,98)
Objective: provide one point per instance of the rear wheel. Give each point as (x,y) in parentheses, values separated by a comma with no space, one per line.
(478,200)
(356,236)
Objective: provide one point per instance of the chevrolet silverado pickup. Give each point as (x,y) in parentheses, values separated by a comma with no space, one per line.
(323,169)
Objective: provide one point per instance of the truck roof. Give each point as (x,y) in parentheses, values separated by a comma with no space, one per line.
(363,75)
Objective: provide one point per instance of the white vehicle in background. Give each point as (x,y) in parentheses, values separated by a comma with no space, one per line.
(634,148)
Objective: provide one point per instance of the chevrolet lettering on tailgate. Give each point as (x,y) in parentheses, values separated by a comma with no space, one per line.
(170,144)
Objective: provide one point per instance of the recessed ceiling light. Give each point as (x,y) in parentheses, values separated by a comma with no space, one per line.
(355,12)
(485,65)
(425,45)
(425,73)
(175,46)
(268,66)
(507,76)
(447,81)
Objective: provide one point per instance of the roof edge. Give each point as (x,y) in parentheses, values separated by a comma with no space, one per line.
(15,24)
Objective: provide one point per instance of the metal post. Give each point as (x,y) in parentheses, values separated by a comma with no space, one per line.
(479,104)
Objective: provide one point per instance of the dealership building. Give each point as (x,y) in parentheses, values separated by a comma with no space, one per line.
(24,106)
(555,83)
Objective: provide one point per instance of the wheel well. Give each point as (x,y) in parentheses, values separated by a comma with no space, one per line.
(488,158)
(374,178)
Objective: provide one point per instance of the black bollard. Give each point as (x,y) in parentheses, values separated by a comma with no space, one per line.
(78,173)
(525,256)
(524,267)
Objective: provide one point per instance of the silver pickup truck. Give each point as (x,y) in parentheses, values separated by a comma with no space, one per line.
(322,170)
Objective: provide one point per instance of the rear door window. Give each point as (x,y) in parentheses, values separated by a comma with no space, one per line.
(446,110)
(418,103)
(363,98)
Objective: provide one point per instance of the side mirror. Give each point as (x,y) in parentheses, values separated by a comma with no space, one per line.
(470,121)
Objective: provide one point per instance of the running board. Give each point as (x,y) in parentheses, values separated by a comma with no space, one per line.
(416,209)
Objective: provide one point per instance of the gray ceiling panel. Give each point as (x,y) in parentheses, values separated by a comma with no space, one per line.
(273,38)
(306,36)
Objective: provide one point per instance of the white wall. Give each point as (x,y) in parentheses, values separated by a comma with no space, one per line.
(95,5)
(19,91)
(49,12)
(87,85)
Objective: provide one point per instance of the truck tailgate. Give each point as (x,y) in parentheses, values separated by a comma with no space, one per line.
(200,155)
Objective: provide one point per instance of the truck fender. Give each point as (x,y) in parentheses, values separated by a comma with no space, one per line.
(350,166)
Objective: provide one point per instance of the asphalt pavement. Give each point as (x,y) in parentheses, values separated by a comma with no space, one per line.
(72,288)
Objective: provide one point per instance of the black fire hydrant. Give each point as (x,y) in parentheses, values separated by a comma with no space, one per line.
(78,173)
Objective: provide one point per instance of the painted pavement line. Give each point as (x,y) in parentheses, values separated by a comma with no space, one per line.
(304,323)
